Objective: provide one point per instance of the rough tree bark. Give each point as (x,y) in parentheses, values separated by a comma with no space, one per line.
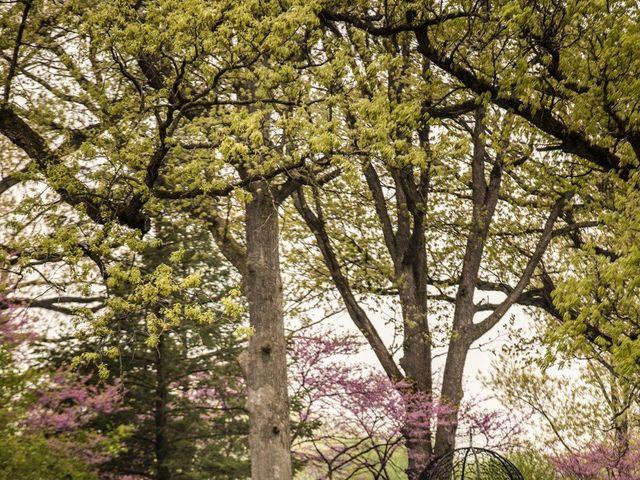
(265,360)
(416,363)
(406,245)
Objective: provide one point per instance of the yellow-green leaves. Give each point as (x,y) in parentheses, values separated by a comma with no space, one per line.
(233,304)
(597,295)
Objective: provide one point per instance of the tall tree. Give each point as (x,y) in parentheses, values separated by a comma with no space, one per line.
(130,102)
(517,56)
(404,204)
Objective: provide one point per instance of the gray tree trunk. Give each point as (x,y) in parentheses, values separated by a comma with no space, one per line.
(416,363)
(265,361)
(452,393)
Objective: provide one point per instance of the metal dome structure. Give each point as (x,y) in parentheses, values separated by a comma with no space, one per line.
(471,463)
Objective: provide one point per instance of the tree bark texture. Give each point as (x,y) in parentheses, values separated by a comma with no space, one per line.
(265,361)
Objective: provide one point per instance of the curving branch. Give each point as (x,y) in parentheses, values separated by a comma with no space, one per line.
(479,329)
(356,312)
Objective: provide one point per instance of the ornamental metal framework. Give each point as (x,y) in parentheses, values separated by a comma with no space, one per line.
(471,463)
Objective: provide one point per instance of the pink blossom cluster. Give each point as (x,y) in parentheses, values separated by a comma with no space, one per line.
(362,412)
(66,402)
(605,460)
(64,406)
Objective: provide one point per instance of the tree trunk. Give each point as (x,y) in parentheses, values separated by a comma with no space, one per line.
(265,361)
(459,343)
(161,413)
(452,394)
(416,363)
(484,197)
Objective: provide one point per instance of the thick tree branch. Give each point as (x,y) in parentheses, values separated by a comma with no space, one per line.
(357,314)
(13,64)
(70,189)
(12,180)
(297,180)
(387,30)
(224,191)
(58,304)
(375,187)
(484,199)
(539,116)
(232,250)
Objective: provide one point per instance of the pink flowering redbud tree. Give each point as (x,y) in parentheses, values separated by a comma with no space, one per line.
(63,408)
(601,460)
(352,419)
(46,417)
